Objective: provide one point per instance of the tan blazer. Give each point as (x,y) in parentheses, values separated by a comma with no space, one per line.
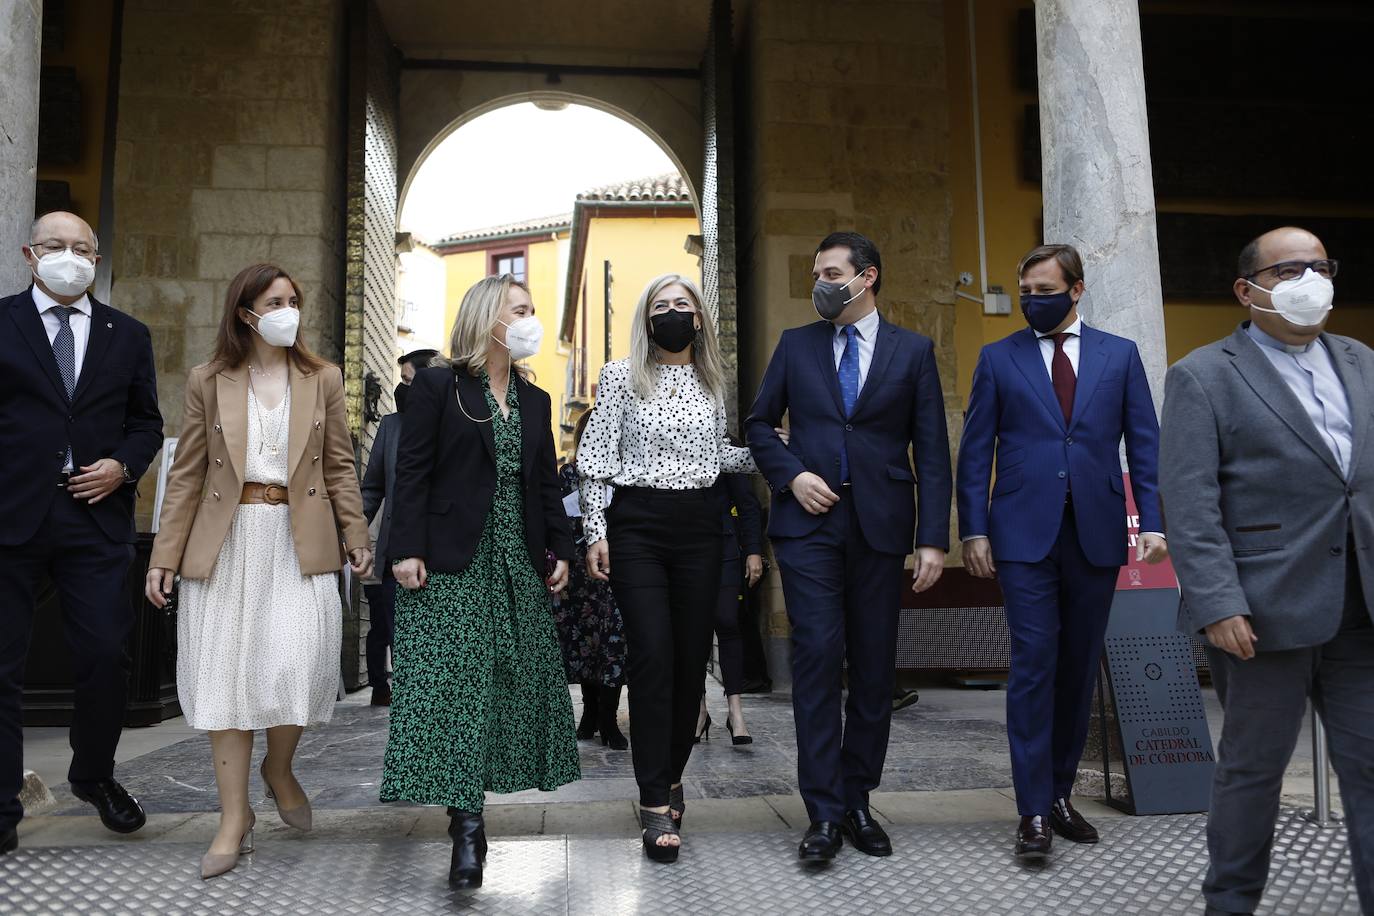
(206,479)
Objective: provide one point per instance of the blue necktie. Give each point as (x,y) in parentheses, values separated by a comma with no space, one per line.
(849,388)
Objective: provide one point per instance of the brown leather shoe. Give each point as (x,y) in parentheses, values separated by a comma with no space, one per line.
(1069,824)
(1033,837)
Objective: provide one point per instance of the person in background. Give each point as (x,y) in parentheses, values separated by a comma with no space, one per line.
(79,424)
(657,434)
(741,569)
(261,506)
(379,483)
(1268,477)
(591,630)
(480,701)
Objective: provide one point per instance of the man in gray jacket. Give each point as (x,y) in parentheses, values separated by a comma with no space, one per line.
(1267,481)
(379,481)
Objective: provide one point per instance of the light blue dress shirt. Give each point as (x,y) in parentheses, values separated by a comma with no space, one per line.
(1311,376)
(867,338)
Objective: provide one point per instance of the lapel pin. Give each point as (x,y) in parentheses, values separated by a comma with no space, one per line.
(109,324)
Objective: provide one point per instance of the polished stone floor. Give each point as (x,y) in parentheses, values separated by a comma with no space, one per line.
(946,741)
(1144,866)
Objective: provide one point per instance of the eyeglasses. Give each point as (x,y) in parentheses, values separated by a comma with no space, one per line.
(1291,270)
(53,246)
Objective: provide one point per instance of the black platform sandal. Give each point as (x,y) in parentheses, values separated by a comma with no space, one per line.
(677,807)
(656,826)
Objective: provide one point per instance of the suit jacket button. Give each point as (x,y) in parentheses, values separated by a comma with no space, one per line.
(310,492)
(61,454)
(317,424)
(215,494)
(316,458)
(1069,441)
(216,427)
(849,427)
(1062,475)
(219,462)
(1337,551)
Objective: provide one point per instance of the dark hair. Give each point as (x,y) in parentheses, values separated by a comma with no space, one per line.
(1248,264)
(1066,256)
(234,341)
(579,427)
(418,359)
(863,254)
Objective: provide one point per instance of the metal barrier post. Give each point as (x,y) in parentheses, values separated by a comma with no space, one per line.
(1321,815)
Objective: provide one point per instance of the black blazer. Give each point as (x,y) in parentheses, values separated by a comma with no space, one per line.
(446,474)
(743,527)
(112,414)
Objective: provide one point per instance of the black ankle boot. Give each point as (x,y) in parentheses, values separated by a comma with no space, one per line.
(610,731)
(469,850)
(586,728)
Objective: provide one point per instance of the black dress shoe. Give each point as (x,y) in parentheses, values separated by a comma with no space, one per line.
(118,810)
(864,833)
(381,695)
(821,843)
(465,865)
(1069,824)
(9,840)
(1033,838)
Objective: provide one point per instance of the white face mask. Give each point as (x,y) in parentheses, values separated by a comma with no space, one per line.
(279,328)
(65,272)
(1304,302)
(523,337)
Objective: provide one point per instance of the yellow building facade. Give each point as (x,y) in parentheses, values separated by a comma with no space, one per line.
(642,229)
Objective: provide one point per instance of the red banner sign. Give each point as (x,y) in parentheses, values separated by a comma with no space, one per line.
(1136,574)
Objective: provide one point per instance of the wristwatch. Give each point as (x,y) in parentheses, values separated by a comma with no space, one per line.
(128,478)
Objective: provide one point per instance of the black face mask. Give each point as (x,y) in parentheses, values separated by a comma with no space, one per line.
(673,331)
(1044,313)
(401,391)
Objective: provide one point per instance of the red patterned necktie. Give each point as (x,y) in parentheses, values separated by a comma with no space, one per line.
(1062,377)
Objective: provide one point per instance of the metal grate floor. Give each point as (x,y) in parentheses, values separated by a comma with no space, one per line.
(1144,865)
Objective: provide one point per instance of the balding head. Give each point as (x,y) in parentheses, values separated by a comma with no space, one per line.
(1258,271)
(65,227)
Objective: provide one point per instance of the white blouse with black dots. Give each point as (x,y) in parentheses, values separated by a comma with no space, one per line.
(672,440)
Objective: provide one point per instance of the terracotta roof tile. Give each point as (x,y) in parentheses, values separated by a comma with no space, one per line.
(669,187)
(550,223)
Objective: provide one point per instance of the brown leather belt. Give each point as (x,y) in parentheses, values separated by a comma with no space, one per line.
(269,494)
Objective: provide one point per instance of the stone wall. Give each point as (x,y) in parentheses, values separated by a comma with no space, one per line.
(843,125)
(229,151)
(20,30)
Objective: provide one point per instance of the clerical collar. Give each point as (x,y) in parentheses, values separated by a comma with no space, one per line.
(1264,340)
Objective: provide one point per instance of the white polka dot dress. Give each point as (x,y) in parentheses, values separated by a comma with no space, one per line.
(672,440)
(258,643)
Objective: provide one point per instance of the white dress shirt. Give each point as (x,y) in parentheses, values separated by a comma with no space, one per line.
(867,327)
(80,321)
(1072,343)
(1310,375)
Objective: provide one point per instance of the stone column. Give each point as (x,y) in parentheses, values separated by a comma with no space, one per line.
(1097,178)
(21,30)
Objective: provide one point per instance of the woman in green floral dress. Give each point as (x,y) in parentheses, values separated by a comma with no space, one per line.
(480,701)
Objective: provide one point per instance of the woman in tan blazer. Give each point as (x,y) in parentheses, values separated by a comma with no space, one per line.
(262,508)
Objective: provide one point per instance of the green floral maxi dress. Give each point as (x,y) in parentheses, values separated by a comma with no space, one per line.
(480,699)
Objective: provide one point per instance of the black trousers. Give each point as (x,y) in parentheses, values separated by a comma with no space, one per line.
(665,548)
(729,638)
(751,631)
(381,601)
(89,572)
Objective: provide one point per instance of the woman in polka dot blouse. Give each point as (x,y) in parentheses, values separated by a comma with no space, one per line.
(656,439)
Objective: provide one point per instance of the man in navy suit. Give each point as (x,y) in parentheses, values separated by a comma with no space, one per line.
(1053,402)
(863,401)
(79,424)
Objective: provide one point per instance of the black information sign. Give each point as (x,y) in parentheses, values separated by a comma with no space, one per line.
(1159,710)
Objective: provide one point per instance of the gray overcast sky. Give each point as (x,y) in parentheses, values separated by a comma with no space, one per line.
(520,162)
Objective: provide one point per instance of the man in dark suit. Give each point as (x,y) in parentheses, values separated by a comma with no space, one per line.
(1053,402)
(379,482)
(860,394)
(79,425)
(1268,477)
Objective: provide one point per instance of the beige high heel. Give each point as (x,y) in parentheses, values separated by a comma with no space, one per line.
(213,864)
(299,817)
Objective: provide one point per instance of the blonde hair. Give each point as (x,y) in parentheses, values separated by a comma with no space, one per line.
(475,326)
(705,349)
